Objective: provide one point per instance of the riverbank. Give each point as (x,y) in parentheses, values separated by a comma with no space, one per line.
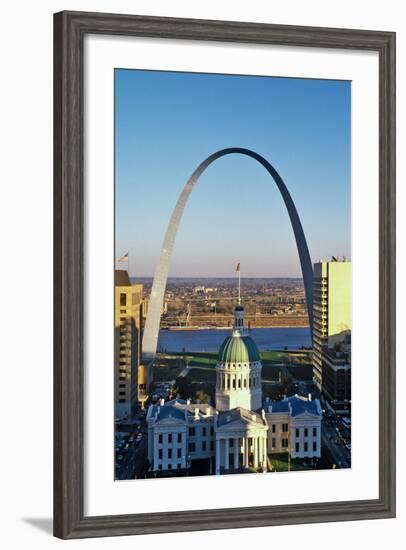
(277,324)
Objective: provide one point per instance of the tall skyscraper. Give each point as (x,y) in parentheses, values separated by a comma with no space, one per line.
(331,311)
(128,371)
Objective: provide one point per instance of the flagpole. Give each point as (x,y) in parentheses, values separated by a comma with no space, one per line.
(239,284)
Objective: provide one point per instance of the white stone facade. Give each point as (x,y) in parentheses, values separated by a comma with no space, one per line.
(179,432)
(294,427)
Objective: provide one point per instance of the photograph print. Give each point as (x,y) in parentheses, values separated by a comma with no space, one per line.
(232,274)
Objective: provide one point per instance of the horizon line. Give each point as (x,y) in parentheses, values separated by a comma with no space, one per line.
(216,277)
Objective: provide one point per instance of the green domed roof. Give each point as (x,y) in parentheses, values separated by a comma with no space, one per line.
(238,349)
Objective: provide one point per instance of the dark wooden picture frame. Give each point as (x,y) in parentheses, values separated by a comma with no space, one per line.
(69,31)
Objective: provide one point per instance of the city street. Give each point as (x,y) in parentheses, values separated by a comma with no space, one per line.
(334,446)
(134,452)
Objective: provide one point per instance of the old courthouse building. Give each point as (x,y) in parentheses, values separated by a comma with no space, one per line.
(241,430)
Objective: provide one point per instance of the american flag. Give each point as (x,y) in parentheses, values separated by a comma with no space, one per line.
(238,267)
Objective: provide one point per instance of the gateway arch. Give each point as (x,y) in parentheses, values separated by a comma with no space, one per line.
(151,331)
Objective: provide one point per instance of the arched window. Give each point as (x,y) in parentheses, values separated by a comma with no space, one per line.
(239,383)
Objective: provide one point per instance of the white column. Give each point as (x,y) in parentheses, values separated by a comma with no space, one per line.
(156,452)
(255,452)
(227,453)
(260,451)
(183,450)
(265,455)
(217,457)
(236,452)
(246,452)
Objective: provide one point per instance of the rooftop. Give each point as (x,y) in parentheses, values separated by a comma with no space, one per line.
(240,415)
(238,349)
(176,409)
(295,405)
(121,278)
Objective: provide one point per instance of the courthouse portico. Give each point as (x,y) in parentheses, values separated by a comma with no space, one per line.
(241,440)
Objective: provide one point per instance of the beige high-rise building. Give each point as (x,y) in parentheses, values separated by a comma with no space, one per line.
(130,385)
(331,310)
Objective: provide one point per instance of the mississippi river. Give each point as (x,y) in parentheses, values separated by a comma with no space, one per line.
(211,340)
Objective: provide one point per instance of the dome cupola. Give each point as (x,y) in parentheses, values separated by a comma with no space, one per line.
(238,349)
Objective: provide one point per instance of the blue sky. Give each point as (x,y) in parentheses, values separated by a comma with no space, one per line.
(168,122)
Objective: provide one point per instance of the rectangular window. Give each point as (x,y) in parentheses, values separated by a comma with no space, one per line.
(160,454)
(169,453)
(297,432)
(179,453)
(169,466)
(284,428)
(273,428)
(160,438)
(169,438)
(203,446)
(273,442)
(212,445)
(297,447)
(179,438)
(191,432)
(123,299)
(192,447)
(314,432)
(314,446)
(306,432)
(204,432)
(305,447)
(284,443)
(211,430)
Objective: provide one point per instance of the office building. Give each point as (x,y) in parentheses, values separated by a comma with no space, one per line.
(130,384)
(336,365)
(331,310)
